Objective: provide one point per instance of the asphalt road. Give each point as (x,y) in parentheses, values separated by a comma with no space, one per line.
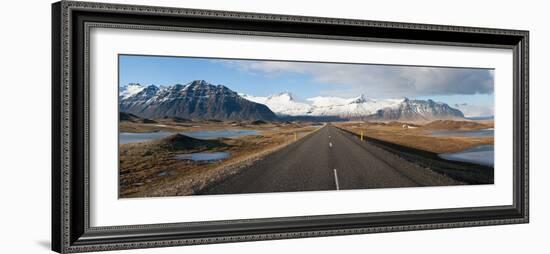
(329,159)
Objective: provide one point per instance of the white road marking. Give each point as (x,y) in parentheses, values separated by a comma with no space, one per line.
(330,144)
(336,180)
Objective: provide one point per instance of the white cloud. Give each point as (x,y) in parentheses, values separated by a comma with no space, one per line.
(381,80)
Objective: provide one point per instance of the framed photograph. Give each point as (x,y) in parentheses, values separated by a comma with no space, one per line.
(182,126)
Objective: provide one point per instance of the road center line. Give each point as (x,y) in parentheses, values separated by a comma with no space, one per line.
(330,144)
(336,179)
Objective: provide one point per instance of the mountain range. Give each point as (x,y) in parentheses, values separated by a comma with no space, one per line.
(360,108)
(196,100)
(200,99)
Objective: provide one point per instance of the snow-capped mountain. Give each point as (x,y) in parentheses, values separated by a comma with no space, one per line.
(418,110)
(282,104)
(200,99)
(359,107)
(196,100)
(130,90)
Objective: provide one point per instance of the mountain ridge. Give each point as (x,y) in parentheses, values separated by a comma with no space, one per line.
(200,99)
(360,107)
(197,99)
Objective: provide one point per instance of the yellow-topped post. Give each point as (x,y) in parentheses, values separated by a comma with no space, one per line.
(361,135)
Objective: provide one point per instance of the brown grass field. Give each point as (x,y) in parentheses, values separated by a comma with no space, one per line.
(419,136)
(150,168)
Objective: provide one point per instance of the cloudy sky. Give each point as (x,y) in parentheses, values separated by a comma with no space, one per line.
(471,90)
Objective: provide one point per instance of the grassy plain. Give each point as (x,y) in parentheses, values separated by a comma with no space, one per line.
(151,168)
(420,136)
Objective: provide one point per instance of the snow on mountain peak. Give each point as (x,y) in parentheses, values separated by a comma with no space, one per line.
(349,107)
(197,99)
(327,101)
(196,84)
(285,104)
(130,90)
(361,99)
(281,104)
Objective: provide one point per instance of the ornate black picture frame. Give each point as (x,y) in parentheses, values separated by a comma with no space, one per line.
(71,231)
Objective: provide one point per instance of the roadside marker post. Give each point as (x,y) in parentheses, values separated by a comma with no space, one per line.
(295,136)
(361,135)
(336,180)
